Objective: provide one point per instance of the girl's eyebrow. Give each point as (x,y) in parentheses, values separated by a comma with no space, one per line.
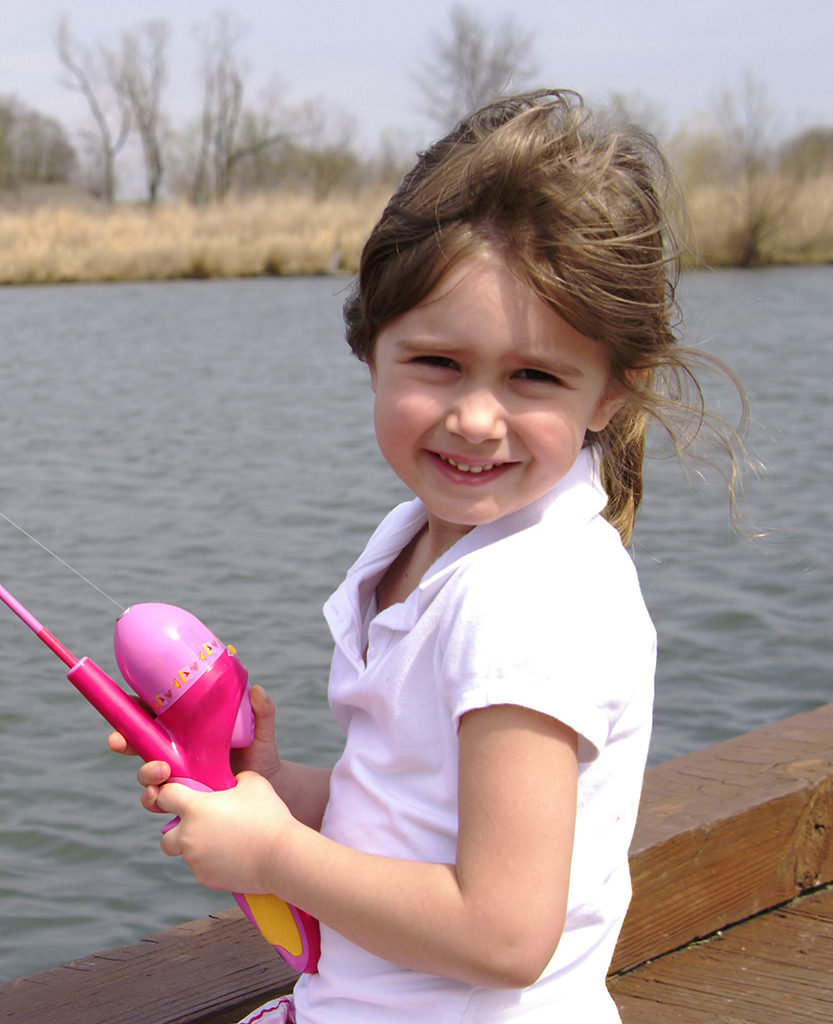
(419,345)
(413,343)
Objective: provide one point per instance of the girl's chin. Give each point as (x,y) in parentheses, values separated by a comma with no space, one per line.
(461,517)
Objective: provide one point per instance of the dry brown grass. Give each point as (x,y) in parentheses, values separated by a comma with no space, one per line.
(797,222)
(274,234)
(290,233)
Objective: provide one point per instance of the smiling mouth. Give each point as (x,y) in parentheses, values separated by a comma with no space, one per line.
(465,467)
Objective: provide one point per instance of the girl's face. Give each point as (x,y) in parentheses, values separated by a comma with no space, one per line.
(483,397)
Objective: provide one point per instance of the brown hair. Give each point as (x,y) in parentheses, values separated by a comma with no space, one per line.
(577,209)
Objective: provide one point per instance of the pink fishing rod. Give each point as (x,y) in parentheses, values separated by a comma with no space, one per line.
(40,631)
(195,709)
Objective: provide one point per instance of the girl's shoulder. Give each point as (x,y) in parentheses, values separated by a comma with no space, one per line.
(546,555)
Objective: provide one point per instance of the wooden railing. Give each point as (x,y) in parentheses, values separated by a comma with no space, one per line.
(728,832)
(723,834)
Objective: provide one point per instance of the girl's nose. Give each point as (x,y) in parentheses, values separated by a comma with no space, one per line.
(477,416)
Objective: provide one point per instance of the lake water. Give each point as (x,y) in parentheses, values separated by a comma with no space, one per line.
(209,444)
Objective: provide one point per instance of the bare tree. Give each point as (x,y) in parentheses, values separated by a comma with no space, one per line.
(227,131)
(140,78)
(636,109)
(96,77)
(808,154)
(7,119)
(222,105)
(313,151)
(471,64)
(38,150)
(746,124)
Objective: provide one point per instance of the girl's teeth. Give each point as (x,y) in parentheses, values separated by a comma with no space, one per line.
(469,469)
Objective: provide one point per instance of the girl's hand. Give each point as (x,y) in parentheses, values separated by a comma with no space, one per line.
(232,839)
(304,788)
(261,755)
(151,775)
(117,743)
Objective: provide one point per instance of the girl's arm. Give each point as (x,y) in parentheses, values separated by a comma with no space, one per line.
(493,918)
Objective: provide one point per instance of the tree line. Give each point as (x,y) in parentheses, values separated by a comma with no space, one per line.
(237,144)
(231,143)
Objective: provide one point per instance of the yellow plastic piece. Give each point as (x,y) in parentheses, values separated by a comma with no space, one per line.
(276,923)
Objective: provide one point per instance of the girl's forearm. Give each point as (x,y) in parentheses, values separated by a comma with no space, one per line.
(495,917)
(418,915)
(305,789)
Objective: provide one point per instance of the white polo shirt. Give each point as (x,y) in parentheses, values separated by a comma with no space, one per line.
(540,609)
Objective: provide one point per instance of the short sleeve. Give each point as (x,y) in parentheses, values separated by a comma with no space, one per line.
(561,639)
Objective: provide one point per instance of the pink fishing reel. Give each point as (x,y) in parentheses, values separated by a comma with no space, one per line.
(196,686)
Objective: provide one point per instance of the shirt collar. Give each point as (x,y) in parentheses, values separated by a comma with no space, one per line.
(579,497)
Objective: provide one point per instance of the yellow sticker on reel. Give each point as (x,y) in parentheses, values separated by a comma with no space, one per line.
(276,923)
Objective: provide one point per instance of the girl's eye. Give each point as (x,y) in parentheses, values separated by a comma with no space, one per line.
(443,362)
(537,375)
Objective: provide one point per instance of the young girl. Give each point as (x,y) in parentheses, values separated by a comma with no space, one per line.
(493,669)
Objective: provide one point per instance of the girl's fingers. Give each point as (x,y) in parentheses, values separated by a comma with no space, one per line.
(149,796)
(152,776)
(264,709)
(119,745)
(170,843)
(153,773)
(173,798)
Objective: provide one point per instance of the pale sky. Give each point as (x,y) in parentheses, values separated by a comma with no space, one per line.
(360,55)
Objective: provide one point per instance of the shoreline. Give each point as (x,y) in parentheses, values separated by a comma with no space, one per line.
(69,238)
(263,236)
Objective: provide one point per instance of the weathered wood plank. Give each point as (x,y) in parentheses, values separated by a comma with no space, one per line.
(728,832)
(771,969)
(210,971)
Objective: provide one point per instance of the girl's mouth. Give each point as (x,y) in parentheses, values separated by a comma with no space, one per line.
(466,467)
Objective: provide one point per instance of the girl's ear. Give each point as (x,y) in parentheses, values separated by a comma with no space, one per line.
(609,404)
(635,375)
(614,398)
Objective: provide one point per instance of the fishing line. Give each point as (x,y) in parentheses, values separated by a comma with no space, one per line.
(58,558)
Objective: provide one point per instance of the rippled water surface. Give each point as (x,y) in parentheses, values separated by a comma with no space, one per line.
(209,444)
